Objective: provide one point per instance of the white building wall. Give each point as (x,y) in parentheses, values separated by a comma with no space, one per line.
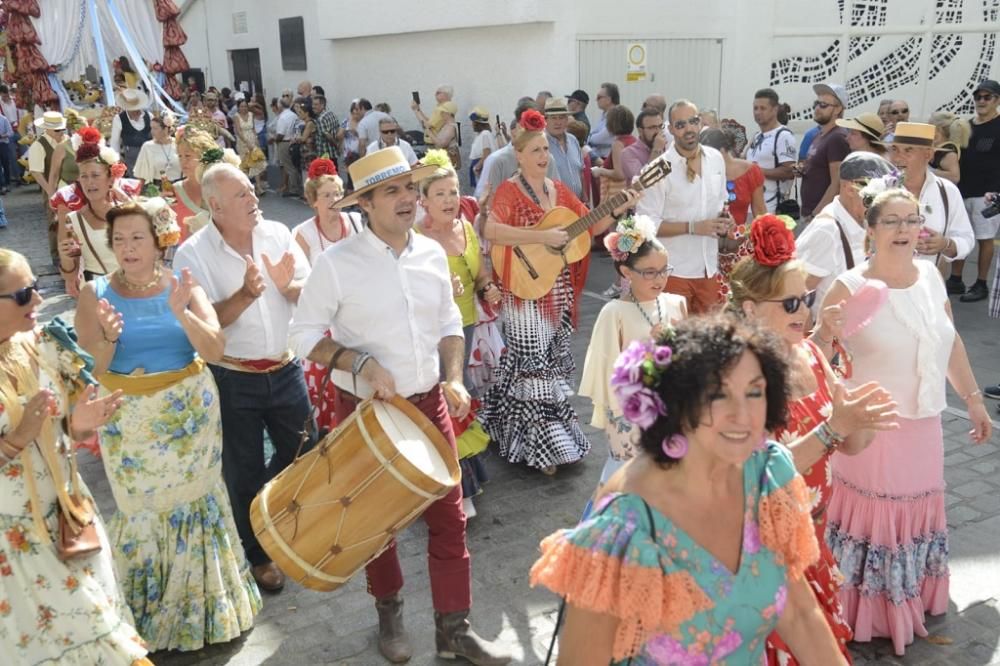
(926,51)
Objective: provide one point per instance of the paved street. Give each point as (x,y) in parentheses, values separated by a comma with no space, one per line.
(520,507)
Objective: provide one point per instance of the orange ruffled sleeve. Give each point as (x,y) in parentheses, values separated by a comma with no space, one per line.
(610,564)
(786,527)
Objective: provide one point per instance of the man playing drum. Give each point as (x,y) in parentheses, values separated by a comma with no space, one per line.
(386,295)
(252,270)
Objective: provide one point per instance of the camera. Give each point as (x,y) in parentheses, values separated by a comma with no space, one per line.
(992,207)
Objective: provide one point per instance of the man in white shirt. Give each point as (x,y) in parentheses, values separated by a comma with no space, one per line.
(284,130)
(252,271)
(687,207)
(834,241)
(773,148)
(368,125)
(947,233)
(386,295)
(130,128)
(388,130)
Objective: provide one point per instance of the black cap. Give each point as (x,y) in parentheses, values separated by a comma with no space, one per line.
(580,96)
(989,85)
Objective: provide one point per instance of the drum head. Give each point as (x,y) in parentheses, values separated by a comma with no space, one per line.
(411,442)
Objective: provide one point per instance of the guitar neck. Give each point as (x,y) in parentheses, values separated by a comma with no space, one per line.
(595,216)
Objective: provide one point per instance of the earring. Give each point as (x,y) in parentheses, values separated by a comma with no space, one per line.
(675,446)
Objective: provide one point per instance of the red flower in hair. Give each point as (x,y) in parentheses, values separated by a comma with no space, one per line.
(90,135)
(532,121)
(87,151)
(322,167)
(118,170)
(773,242)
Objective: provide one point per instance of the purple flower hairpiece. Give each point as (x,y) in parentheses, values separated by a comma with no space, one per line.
(634,379)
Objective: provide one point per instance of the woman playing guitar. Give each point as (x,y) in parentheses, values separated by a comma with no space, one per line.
(527,410)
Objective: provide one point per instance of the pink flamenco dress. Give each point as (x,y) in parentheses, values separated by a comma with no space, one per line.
(886,523)
(823,577)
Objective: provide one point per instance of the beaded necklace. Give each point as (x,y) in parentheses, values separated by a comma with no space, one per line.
(659,313)
(531,192)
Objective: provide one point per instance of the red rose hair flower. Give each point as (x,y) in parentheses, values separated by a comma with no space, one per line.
(773,242)
(532,121)
(90,135)
(321,167)
(118,170)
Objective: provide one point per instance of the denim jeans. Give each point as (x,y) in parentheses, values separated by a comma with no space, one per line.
(8,164)
(251,402)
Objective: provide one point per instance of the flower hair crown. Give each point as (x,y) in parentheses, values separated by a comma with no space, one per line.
(439,158)
(635,377)
(876,186)
(211,156)
(629,235)
(165,226)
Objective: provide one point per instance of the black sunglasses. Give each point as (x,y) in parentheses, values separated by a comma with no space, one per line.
(23,296)
(792,303)
(983,97)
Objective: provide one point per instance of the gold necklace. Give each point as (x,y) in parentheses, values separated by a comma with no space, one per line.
(132,286)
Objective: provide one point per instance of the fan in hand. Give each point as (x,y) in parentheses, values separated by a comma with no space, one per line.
(861,307)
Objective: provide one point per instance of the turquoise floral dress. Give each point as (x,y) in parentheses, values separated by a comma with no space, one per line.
(675,602)
(179,559)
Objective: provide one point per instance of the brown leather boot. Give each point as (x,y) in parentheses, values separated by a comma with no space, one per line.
(455,638)
(393,642)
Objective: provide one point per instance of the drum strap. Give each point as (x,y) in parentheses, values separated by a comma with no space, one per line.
(309,429)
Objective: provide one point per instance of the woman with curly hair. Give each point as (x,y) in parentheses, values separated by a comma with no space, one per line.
(769,287)
(698,548)
(197,151)
(150,332)
(527,411)
(81,210)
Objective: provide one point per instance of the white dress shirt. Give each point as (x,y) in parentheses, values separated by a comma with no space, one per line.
(932,208)
(157,160)
(285,124)
(674,199)
(822,251)
(261,331)
(398,309)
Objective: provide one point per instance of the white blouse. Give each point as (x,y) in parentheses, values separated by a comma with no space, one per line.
(94,248)
(156,160)
(317,242)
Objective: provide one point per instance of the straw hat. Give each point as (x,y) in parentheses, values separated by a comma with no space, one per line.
(51,120)
(379,168)
(556,106)
(867,123)
(913,134)
(132,99)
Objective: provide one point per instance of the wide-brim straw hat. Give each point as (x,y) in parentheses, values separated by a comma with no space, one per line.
(132,99)
(868,124)
(913,134)
(556,106)
(51,120)
(381,167)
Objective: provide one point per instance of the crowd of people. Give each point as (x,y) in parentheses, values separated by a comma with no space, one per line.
(769,468)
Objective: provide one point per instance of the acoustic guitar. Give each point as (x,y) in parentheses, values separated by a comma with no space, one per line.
(530,271)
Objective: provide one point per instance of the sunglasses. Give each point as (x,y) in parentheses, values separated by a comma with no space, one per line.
(983,97)
(731,189)
(388,131)
(652,273)
(823,105)
(693,122)
(23,296)
(898,112)
(792,303)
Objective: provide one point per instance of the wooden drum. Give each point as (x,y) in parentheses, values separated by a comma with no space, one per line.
(338,506)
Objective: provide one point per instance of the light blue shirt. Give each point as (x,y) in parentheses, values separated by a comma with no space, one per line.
(6,131)
(600,138)
(569,162)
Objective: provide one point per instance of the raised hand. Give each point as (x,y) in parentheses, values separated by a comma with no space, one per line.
(253,280)
(867,407)
(110,320)
(456,285)
(41,406)
(91,412)
(831,321)
(180,292)
(281,272)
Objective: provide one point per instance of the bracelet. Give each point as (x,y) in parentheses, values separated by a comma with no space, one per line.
(359,362)
(481,293)
(827,436)
(969,396)
(336,357)
(691,228)
(76,266)
(104,335)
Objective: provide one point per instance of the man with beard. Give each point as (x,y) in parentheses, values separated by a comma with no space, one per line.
(687,205)
(821,171)
(651,144)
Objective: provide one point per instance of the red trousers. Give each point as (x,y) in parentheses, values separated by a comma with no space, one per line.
(448,560)
(702,293)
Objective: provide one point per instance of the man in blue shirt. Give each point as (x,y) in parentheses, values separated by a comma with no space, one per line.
(563,148)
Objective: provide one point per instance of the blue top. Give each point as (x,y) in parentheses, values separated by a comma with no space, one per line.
(569,162)
(152,337)
(807,140)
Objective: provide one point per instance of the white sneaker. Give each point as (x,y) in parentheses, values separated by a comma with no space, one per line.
(614,291)
(468,507)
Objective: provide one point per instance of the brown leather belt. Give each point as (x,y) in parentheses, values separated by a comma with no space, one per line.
(415,398)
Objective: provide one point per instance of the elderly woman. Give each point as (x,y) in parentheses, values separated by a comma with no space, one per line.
(157,162)
(887,513)
(769,287)
(81,210)
(698,548)
(864,132)
(197,151)
(951,137)
(440,130)
(527,412)
(57,606)
(175,545)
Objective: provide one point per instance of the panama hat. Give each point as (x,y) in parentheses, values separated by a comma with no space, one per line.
(379,168)
(132,99)
(866,123)
(556,106)
(51,120)
(913,134)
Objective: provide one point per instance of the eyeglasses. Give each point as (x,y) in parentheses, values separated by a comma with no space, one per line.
(894,221)
(823,105)
(652,273)
(654,127)
(388,131)
(731,189)
(983,97)
(898,112)
(694,121)
(22,297)
(792,303)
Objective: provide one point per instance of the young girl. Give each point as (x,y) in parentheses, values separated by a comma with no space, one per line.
(641,259)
